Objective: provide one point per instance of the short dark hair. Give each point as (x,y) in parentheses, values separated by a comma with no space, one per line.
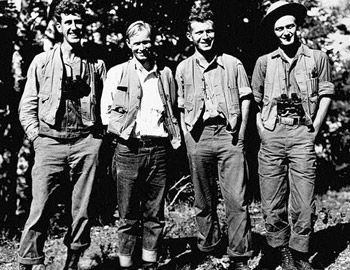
(199,13)
(69,7)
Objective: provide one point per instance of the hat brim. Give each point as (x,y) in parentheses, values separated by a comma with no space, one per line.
(295,9)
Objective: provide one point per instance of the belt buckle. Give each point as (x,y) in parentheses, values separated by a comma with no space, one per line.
(287,121)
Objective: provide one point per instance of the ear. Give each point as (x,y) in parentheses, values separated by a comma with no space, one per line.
(59,27)
(189,36)
(128,43)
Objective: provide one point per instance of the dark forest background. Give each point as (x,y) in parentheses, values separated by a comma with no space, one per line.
(27,28)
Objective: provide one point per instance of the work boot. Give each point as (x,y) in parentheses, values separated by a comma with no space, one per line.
(302,261)
(24,266)
(287,259)
(73,257)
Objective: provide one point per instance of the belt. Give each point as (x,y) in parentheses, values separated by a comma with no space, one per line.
(145,142)
(218,120)
(291,121)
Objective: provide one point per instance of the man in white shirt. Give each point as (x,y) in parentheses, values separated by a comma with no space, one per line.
(137,106)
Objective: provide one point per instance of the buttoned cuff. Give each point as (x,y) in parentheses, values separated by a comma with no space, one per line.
(32,134)
(326,88)
(244,91)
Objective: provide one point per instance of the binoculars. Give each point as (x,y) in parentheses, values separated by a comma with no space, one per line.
(75,89)
(288,106)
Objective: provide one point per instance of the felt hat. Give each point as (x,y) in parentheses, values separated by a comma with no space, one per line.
(280,9)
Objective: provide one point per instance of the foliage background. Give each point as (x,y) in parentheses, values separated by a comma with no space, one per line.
(27,28)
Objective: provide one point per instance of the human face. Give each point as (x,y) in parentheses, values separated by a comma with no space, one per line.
(202,35)
(285,30)
(140,45)
(71,27)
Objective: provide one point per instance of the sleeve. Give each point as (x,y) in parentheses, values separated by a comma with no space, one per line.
(326,87)
(242,81)
(180,87)
(258,79)
(28,106)
(108,92)
(172,88)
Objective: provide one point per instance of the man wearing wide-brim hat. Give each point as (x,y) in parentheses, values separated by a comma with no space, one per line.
(292,89)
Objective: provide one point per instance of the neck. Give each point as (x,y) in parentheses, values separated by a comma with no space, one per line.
(69,51)
(147,64)
(207,56)
(291,50)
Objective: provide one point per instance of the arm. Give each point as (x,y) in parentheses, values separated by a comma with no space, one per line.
(321,113)
(110,85)
(245,93)
(258,80)
(28,106)
(180,100)
(245,113)
(326,90)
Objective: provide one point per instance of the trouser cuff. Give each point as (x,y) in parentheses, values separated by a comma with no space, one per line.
(31,261)
(208,248)
(278,239)
(149,255)
(299,242)
(125,260)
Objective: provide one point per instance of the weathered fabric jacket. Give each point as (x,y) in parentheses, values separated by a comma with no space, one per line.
(312,75)
(43,90)
(191,90)
(127,99)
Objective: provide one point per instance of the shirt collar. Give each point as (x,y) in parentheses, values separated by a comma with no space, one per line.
(217,59)
(139,67)
(302,50)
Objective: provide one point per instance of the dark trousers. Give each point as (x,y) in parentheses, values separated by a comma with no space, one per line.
(141,174)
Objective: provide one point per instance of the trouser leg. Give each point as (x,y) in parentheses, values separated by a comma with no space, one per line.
(233,175)
(49,163)
(302,183)
(203,166)
(273,171)
(127,169)
(83,163)
(153,203)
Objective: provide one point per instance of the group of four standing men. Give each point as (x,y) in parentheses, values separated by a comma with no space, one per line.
(61,113)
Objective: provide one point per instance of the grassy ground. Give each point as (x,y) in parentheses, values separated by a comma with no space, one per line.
(330,247)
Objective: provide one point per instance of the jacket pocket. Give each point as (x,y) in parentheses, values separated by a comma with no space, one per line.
(43,105)
(266,108)
(117,121)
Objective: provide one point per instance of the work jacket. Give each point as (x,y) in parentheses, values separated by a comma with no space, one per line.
(127,99)
(228,91)
(43,92)
(312,76)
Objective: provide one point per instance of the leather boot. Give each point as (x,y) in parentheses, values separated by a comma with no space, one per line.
(73,257)
(287,258)
(24,267)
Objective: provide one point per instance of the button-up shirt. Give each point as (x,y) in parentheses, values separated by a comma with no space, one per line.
(149,120)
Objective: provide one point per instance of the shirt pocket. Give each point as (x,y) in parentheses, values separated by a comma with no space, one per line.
(312,86)
(313,104)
